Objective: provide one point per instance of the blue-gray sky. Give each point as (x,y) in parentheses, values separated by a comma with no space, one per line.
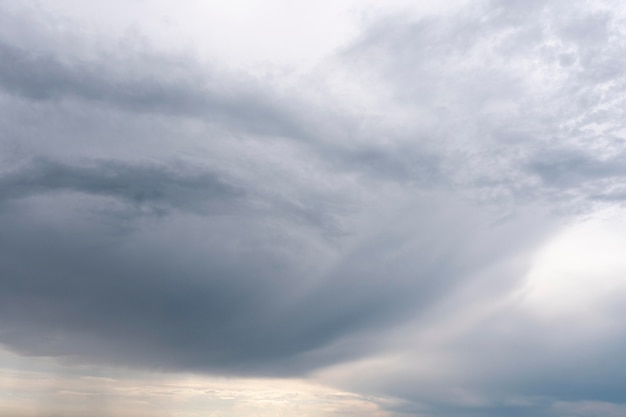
(398,209)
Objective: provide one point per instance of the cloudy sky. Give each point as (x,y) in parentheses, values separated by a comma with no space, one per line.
(285,208)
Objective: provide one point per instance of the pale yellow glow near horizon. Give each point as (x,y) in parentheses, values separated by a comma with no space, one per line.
(72,391)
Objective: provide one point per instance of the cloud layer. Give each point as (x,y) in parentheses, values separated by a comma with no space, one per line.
(386,222)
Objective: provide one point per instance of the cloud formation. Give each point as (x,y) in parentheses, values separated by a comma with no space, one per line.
(386,223)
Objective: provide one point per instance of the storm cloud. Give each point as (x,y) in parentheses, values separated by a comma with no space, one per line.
(412,219)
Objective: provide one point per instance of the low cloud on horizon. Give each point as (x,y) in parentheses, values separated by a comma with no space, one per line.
(418,214)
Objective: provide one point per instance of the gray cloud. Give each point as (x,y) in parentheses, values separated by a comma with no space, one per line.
(528,99)
(507,82)
(158,213)
(243,292)
(159,85)
(153,188)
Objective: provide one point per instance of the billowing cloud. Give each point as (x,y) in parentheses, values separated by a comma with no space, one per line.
(402,220)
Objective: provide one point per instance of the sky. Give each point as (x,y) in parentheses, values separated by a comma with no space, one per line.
(312,209)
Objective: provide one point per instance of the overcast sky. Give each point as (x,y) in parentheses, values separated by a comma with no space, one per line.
(312,209)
